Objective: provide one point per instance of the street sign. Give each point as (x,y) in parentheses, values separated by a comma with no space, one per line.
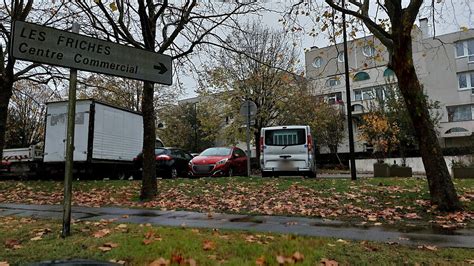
(248,107)
(32,42)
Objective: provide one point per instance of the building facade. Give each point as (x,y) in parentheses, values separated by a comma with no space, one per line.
(444,65)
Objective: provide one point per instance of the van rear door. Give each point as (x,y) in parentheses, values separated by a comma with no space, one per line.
(286,149)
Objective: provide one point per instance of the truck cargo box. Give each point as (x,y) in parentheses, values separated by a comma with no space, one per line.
(103,133)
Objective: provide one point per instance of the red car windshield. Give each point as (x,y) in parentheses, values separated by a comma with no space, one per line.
(216,152)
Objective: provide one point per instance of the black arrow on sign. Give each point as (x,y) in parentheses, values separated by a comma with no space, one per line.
(161,68)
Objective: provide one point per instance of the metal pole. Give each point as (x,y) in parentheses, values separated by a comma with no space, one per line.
(71,117)
(348,99)
(249,152)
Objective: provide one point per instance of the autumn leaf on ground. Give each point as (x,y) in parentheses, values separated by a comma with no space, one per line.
(428,247)
(121,226)
(160,262)
(12,243)
(190,262)
(298,256)
(327,262)
(261,261)
(150,237)
(285,260)
(177,258)
(108,246)
(208,245)
(101,233)
(36,238)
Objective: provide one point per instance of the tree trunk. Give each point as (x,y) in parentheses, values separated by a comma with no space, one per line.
(149,184)
(5,95)
(441,187)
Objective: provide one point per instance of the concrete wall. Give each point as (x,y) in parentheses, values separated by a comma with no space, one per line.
(367,165)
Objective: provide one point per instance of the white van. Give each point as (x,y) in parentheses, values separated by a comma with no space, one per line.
(287,150)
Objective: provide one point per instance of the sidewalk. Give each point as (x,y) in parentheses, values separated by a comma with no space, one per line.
(274,224)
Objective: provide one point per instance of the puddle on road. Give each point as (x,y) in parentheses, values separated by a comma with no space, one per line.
(248,219)
(146,214)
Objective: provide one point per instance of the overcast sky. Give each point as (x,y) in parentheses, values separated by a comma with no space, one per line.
(450,16)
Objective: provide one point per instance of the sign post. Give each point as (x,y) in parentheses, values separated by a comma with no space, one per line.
(71,121)
(45,45)
(248,110)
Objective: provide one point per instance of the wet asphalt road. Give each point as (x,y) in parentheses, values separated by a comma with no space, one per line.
(272,224)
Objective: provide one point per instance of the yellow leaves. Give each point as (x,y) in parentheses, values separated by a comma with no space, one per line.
(113,6)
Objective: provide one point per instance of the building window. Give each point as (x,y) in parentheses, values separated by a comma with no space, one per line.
(389,75)
(370,93)
(368,51)
(361,76)
(358,108)
(460,112)
(466,81)
(334,98)
(456,130)
(333,82)
(340,57)
(465,48)
(318,62)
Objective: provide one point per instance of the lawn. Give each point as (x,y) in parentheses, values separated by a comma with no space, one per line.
(26,240)
(371,201)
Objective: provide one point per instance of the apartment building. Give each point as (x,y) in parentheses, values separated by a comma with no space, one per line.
(444,64)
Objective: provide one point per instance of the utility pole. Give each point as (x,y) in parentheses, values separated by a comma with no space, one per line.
(348,98)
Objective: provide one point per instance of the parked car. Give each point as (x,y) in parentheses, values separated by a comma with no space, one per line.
(287,150)
(170,162)
(219,161)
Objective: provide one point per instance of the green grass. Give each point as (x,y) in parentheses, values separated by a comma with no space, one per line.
(231,247)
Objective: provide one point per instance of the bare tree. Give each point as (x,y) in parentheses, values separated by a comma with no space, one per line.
(26,113)
(11,71)
(394,30)
(256,65)
(162,27)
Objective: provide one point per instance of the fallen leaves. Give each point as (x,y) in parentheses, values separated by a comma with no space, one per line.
(428,247)
(208,245)
(101,233)
(296,257)
(108,246)
(328,262)
(150,237)
(12,244)
(365,201)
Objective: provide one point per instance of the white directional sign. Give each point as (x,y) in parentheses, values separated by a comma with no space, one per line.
(41,44)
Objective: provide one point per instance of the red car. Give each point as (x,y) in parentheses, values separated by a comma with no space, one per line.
(219,161)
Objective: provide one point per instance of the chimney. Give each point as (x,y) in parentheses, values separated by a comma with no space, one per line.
(424,28)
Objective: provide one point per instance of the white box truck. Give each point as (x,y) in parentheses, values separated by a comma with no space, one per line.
(106,138)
